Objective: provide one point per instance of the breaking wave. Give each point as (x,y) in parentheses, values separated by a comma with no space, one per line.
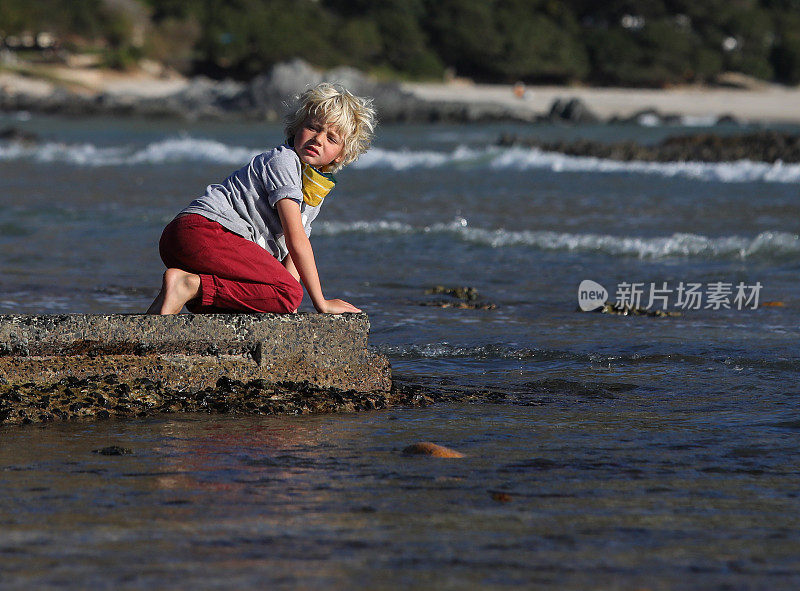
(765,245)
(189,149)
(180,149)
(520,159)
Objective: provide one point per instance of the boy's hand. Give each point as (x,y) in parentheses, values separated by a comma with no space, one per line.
(337,307)
(301,257)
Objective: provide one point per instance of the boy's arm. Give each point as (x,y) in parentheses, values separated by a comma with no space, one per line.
(288,263)
(303,258)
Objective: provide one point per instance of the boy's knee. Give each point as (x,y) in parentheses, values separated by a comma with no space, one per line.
(294,296)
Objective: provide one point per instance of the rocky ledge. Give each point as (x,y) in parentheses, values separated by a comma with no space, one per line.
(760,146)
(84,366)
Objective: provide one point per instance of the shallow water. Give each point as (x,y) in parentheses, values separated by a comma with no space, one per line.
(611,493)
(637,452)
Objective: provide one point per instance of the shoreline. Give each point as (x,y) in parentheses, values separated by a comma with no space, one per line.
(767,103)
(151,92)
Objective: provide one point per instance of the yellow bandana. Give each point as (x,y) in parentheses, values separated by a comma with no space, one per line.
(316,185)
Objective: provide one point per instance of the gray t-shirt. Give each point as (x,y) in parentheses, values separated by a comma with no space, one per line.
(245,202)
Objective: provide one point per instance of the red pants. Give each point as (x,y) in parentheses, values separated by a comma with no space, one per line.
(235,274)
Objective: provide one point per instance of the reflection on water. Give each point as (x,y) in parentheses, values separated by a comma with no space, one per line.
(618,492)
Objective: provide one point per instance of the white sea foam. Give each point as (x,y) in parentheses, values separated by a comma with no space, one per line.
(654,120)
(189,149)
(726,172)
(699,120)
(766,244)
(180,149)
(405,159)
(447,350)
(521,159)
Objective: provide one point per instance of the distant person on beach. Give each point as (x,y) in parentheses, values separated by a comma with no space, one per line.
(244,246)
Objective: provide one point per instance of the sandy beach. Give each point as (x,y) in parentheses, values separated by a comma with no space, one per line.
(768,103)
(757,102)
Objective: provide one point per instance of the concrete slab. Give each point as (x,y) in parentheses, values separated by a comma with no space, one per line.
(160,356)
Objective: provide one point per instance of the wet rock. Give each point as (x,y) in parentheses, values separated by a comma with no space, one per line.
(21,404)
(649,118)
(628,310)
(572,110)
(459,305)
(621,309)
(463,298)
(653,117)
(462,293)
(113,450)
(15,134)
(426,448)
(728,119)
(761,146)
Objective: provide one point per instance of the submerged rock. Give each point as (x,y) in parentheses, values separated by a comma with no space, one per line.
(500,496)
(628,310)
(462,293)
(464,298)
(113,450)
(15,134)
(100,397)
(459,305)
(427,448)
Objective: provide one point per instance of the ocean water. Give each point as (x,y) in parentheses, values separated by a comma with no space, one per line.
(620,452)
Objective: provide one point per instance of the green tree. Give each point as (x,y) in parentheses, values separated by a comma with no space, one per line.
(536,48)
(753,30)
(357,42)
(465,36)
(244,37)
(785,54)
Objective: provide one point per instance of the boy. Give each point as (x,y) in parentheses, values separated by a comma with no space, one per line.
(244,245)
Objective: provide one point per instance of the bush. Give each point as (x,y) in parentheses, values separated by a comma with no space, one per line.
(405,44)
(616,57)
(535,48)
(121,58)
(785,59)
(172,42)
(357,42)
(464,35)
(753,28)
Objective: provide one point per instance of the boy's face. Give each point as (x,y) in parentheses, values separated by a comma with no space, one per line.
(318,143)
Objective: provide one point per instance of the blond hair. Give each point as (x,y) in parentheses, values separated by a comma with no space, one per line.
(353,116)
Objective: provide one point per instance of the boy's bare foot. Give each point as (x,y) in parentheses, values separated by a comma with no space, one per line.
(177,288)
